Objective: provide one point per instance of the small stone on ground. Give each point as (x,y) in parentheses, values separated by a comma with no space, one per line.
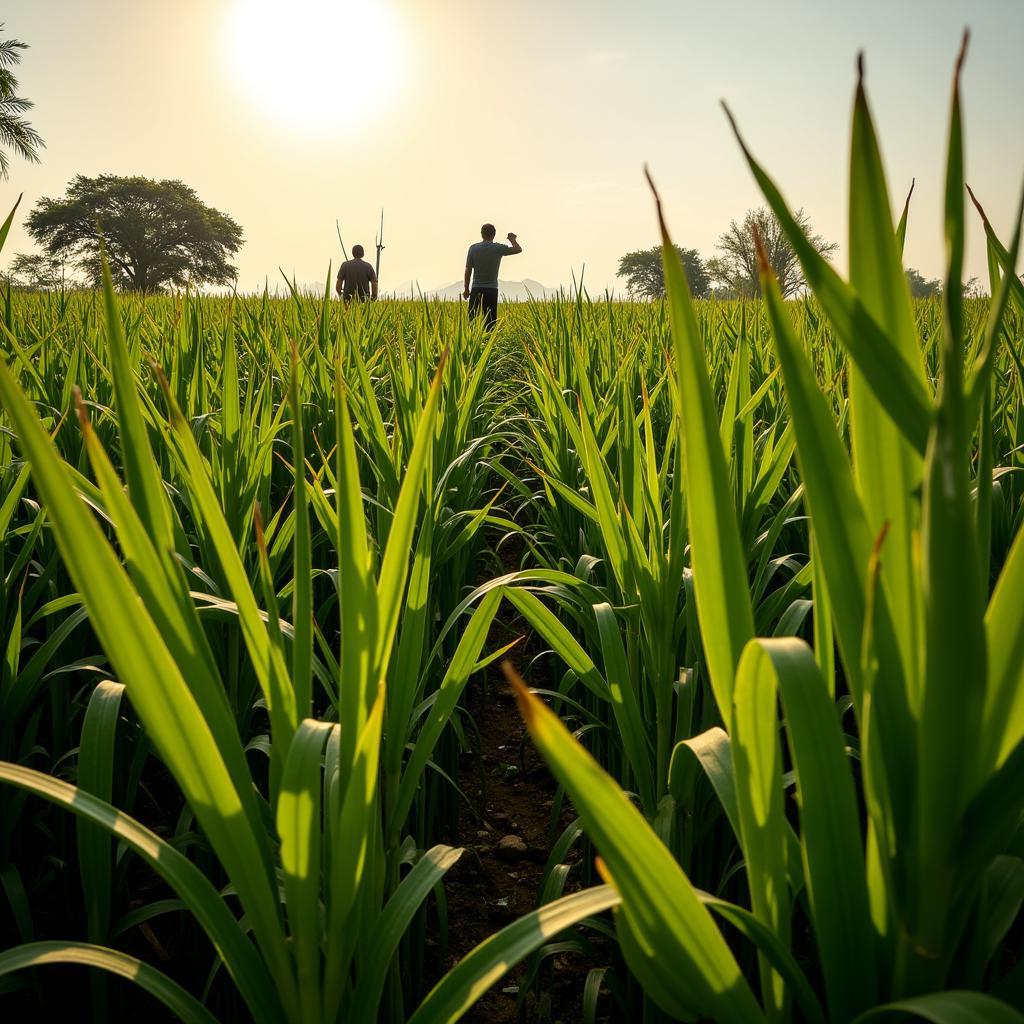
(511,848)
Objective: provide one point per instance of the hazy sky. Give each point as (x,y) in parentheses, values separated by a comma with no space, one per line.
(535,114)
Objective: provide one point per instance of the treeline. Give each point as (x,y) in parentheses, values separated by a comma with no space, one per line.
(732,273)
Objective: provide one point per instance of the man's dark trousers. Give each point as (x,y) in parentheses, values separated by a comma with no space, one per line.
(484,302)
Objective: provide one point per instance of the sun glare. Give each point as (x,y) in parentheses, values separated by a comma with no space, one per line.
(317,64)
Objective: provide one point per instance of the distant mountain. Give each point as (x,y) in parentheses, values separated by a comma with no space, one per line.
(511,291)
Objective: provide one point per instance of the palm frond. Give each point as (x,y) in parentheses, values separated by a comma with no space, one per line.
(10,51)
(19,135)
(14,104)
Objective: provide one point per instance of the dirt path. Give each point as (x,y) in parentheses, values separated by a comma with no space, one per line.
(509,832)
(499,876)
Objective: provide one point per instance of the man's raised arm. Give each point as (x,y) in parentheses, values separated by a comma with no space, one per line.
(516,248)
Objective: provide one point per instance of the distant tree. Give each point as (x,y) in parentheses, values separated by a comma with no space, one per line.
(157,233)
(645,277)
(972,288)
(722,283)
(920,287)
(735,268)
(15,132)
(38,272)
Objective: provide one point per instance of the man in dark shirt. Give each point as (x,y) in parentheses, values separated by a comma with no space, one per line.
(482,263)
(357,278)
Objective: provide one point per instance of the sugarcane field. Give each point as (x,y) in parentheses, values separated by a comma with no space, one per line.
(624,623)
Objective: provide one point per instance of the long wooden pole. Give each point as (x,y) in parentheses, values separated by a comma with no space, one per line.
(380,242)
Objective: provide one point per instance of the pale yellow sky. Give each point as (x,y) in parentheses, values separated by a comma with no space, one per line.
(535,115)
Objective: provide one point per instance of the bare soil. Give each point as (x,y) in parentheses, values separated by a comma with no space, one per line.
(514,794)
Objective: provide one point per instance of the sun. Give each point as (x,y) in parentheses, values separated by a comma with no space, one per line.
(321,65)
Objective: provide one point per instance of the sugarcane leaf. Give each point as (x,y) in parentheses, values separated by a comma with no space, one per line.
(195,890)
(947,1008)
(298,827)
(184,1006)
(485,964)
(892,380)
(676,940)
(95,775)
(830,837)
(716,554)
(398,913)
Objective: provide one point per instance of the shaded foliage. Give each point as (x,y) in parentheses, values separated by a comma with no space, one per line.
(735,269)
(156,233)
(16,133)
(922,287)
(645,277)
(38,272)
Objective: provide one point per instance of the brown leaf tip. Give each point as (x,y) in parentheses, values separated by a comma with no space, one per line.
(174,414)
(876,550)
(906,202)
(762,257)
(736,131)
(657,205)
(80,410)
(603,872)
(257,522)
(650,183)
(977,205)
(161,377)
(728,114)
(962,55)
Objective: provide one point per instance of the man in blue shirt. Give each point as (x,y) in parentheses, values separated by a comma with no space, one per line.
(482,263)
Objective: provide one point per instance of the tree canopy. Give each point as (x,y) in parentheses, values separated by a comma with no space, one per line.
(734,269)
(157,234)
(733,272)
(645,276)
(15,132)
(38,272)
(922,287)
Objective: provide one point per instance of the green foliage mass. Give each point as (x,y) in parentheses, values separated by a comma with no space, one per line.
(254,550)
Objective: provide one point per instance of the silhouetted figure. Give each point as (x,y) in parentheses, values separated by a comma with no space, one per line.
(356,278)
(482,263)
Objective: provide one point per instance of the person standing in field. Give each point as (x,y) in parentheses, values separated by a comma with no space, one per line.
(482,263)
(356,278)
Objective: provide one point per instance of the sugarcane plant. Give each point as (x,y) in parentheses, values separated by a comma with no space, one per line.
(907,903)
(324,905)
